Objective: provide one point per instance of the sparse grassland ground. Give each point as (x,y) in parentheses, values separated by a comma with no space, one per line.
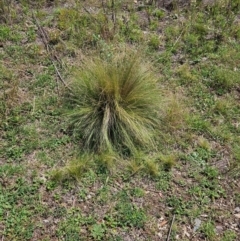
(50,189)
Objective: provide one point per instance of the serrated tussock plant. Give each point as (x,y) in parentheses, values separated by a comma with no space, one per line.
(114,104)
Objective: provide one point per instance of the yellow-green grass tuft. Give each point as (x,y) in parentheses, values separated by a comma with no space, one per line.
(114,104)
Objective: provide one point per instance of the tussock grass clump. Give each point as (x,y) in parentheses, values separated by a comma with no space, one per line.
(113,104)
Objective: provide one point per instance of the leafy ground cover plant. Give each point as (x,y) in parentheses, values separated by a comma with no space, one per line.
(113,104)
(196,53)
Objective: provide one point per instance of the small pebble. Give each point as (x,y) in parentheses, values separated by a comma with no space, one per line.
(237,210)
(197,224)
(89,196)
(219,229)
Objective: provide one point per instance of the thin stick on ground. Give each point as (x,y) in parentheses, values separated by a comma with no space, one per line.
(90,14)
(170,229)
(59,75)
(53,57)
(42,32)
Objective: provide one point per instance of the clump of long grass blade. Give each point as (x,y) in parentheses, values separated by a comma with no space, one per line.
(114,105)
(74,170)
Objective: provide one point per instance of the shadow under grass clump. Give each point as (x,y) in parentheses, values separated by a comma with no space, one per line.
(113,105)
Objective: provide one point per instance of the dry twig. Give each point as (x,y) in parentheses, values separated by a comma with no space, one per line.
(90,14)
(170,229)
(53,57)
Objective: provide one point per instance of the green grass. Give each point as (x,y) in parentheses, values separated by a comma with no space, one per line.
(113,105)
(147,128)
